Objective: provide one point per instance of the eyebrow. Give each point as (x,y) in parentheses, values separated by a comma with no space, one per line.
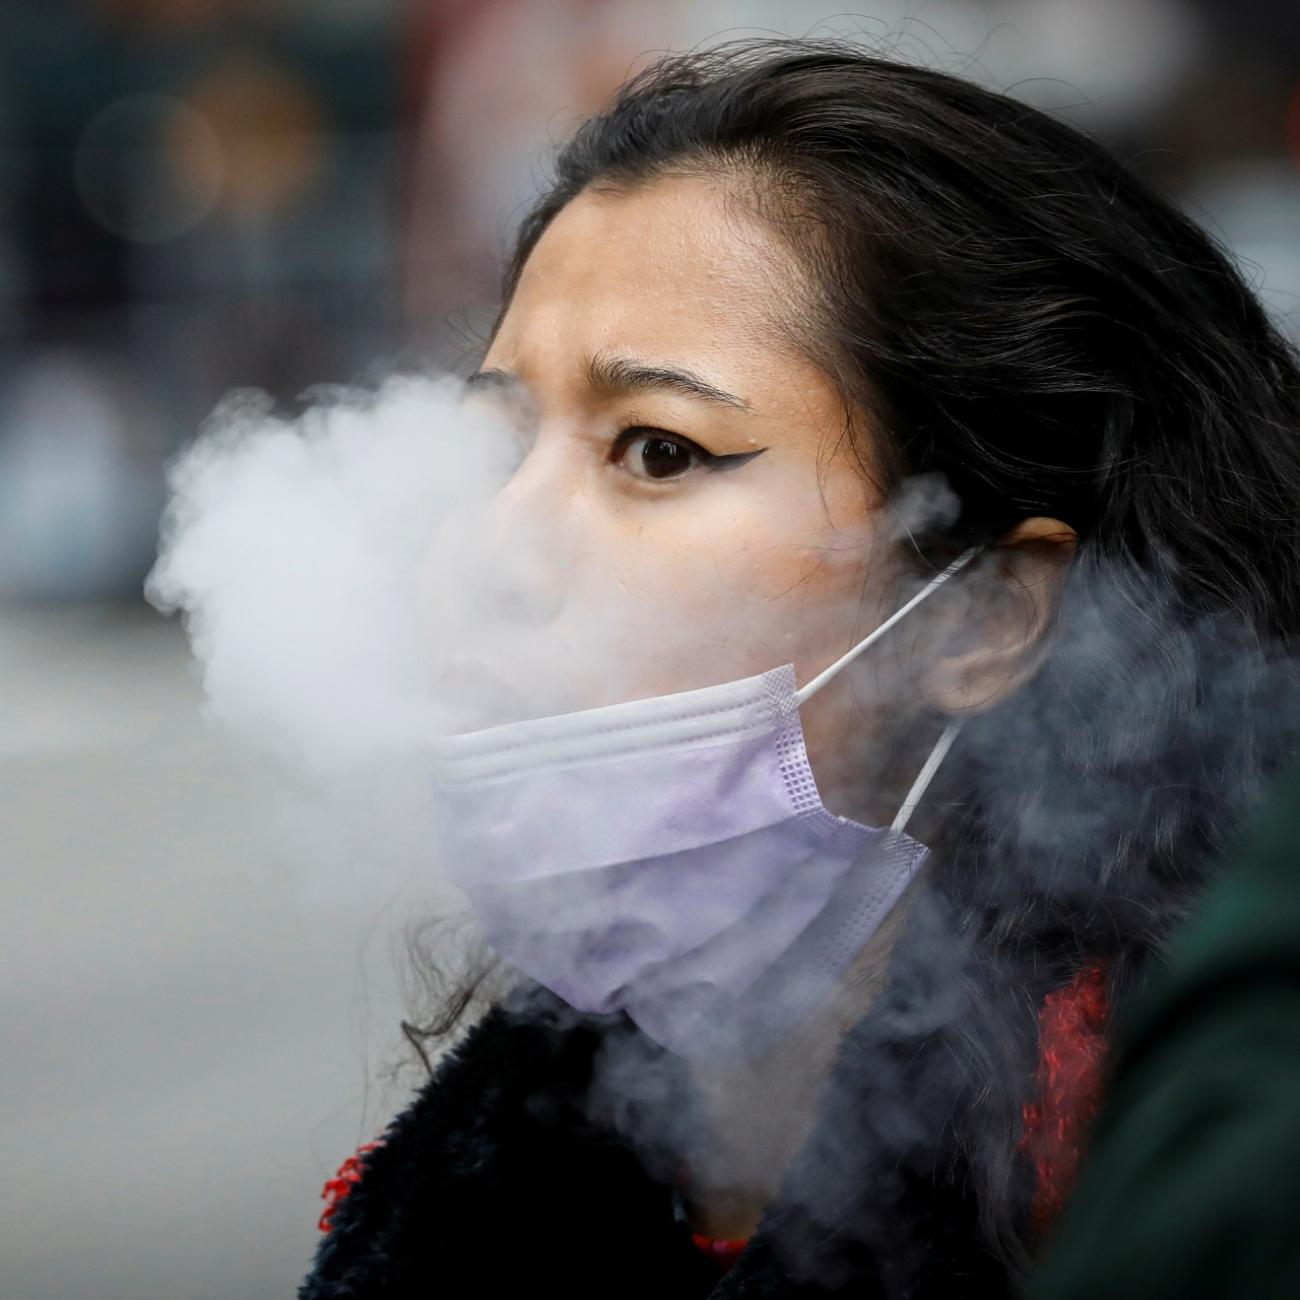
(616,375)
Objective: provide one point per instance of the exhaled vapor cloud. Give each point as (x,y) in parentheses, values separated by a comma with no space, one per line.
(294,549)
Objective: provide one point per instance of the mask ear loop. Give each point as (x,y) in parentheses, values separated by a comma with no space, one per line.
(924,777)
(810,687)
(944,743)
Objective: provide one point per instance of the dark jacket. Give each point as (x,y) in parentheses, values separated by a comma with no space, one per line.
(1193,1187)
(496,1181)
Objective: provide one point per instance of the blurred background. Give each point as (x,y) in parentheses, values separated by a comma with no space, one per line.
(204,195)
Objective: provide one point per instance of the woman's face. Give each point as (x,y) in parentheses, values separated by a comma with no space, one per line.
(686,508)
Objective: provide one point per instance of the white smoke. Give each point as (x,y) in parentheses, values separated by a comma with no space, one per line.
(294,548)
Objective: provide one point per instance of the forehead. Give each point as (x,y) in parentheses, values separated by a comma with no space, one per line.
(671,267)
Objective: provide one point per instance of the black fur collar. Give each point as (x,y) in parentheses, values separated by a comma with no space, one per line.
(495,1182)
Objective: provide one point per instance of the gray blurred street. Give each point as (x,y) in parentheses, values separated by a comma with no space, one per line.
(186,1040)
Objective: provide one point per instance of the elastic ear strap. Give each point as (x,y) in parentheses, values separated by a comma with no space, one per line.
(925,776)
(808,688)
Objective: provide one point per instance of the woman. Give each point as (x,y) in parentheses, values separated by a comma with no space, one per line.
(794,330)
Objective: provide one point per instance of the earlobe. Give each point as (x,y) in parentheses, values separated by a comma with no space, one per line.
(1007,619)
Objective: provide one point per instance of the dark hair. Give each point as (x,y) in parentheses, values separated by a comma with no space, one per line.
(1018,313)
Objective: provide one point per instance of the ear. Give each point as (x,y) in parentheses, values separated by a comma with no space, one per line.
(1012,603)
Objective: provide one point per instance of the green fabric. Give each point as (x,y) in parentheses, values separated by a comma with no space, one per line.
(1192,1187)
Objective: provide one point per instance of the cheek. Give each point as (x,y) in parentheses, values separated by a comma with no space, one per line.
(749,598)
(743,588)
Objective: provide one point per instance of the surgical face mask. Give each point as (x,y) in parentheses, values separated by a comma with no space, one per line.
(671,857)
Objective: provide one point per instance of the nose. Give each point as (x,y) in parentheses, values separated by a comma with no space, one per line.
(528,550)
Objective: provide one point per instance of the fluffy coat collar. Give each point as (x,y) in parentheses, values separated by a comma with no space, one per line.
(502,1179)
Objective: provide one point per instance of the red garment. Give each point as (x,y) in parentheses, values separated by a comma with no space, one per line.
(1071,1075)
(336,1188)
(724,1251)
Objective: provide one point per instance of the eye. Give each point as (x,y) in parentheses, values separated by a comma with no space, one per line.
(657,455)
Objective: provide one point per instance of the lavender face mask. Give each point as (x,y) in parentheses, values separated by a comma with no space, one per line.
(671,857)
